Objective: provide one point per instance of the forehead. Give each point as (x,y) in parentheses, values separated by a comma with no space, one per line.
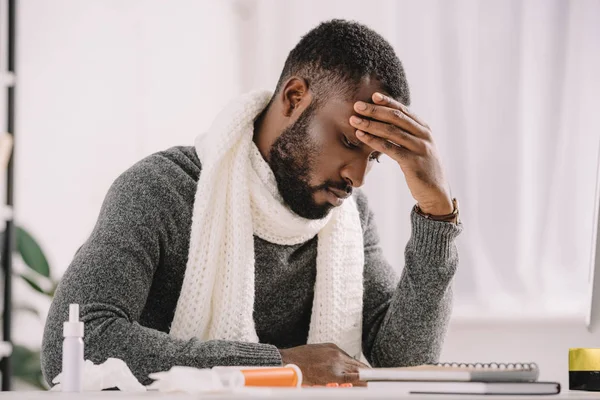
(339,108)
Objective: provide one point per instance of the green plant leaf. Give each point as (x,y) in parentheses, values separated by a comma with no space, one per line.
(33,284)
(26,366)
(31,252)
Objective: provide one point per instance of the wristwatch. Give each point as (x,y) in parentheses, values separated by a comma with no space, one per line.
(452,217)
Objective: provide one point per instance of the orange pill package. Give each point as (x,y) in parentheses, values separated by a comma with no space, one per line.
(287,376)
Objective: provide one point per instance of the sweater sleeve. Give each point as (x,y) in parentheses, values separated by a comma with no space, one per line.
(404,323)
(110,277)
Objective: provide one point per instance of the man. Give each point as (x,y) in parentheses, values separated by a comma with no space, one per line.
(252,248)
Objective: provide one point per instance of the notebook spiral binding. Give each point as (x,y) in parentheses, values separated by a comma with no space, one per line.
(521,366)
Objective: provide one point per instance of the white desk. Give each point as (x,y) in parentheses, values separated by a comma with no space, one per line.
(283,394)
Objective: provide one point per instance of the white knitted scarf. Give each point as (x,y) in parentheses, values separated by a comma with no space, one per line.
(237,197)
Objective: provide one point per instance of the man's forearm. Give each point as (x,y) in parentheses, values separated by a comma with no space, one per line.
(109,333)
(413,328)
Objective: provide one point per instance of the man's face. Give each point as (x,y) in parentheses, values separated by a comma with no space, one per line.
(317,160)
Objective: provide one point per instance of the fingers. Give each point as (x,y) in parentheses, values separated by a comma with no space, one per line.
(325,363)
(355,365)
(393,117)
(389,132)
(353,378)
(359,363)
(351,374)
(384,100)
(350,377)
(384,146)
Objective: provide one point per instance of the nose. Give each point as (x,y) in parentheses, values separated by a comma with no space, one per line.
(354,172)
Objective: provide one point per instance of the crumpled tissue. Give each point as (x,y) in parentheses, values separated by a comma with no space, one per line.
(112,373)
(194,380)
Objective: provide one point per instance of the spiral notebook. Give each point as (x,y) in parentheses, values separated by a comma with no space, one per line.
(457,372)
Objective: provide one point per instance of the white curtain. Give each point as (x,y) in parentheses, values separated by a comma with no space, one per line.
(509,89)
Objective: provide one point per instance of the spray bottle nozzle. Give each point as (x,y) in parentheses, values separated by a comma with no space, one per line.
(73,312)
(73,327)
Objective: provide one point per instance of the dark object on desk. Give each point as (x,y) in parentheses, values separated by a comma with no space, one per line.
(584,369)
(584,380)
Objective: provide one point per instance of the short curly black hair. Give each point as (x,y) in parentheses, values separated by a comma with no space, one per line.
(337,54)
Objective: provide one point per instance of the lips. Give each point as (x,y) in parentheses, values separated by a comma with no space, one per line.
(342,195)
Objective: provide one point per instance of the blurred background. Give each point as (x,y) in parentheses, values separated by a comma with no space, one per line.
(509,88)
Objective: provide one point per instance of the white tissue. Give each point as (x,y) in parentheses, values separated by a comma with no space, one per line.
(194,380)
(110,374)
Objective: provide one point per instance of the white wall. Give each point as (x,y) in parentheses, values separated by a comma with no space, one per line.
(104,83)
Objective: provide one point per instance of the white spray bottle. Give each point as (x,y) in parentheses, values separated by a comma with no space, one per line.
(72,360)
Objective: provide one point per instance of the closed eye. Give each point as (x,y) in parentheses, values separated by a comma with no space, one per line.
(348,143)
(373,157)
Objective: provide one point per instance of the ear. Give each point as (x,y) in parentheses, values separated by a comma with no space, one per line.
(295,95)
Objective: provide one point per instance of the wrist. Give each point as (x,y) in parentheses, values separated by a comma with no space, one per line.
(439,213)
(438,208)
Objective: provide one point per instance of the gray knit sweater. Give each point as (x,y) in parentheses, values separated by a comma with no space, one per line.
(128,275)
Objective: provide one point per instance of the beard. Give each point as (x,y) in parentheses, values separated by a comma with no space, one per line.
(292,158)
